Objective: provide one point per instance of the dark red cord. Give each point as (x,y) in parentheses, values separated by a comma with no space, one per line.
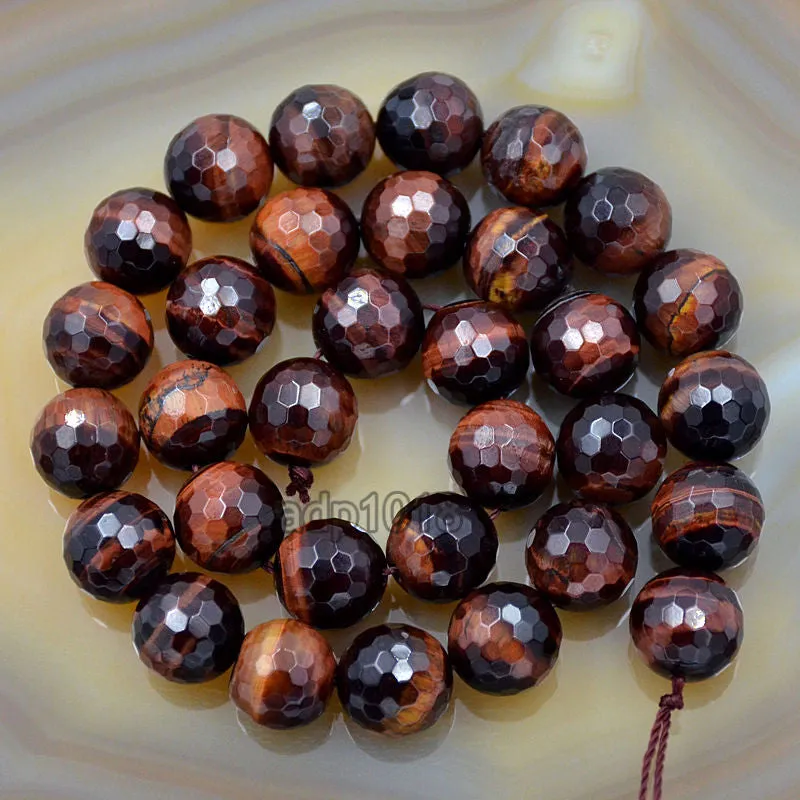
(300,481)
(659,736)
(431,307)
(318,353)
(495,513)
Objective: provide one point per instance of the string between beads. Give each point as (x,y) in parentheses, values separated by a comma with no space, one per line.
(656,753)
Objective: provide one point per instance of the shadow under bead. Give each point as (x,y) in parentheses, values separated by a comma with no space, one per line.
(192,414)
(97,335)
(707,516)
(474,351)
(85,441)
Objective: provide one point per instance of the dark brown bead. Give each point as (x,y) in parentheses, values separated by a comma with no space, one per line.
(303,412)
(518,259)
(687,301)
(321,135)
(714,406)
(190,629)
(118,546)
(370,324)
(97,335)
(330,573)
(84,442)
(218,168)
(585,344)
(533,155)
(192,414)
(304,240)
(707,516)
(474,351)
(441,546)
(501,454)
(581,555)
(415,223)
(616,220)
(220,309)
(284,675)
(430,121)
(504,638)
(687,624)
(395,680)
(229,517)
(611,449)
(138,239)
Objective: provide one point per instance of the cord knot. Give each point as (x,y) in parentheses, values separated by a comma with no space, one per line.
(300,481)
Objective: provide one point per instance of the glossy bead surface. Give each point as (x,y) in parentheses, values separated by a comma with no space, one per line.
(581,555)
(284,675)
(229,517)
(395,680)
(220,309)
(190,629)
(714,406)
(504,638)
(616,220)
(303,412)
(330,573)
(370,324)
(474,351)
(430,121)
(304,240)
(138,239)
(687,301)
(84,442)
(501,454)
(321,135)
(415,223)
(218,168)
(192,414)
(518,259)
(611,449)
(118,546)
(707,516)
(584,345)
(533,155)
(441,546)
(97,335)
(687,624)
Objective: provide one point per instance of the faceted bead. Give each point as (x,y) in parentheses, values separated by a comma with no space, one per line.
(118,546)
(284,675)
(504,638)
(138,239)
(687,624)
(330,573)
(611,449)
(518,259)
(585,344)
(303,412)
(430,121)
(304,240)
(394,679)
(218,168)
(220,309)
(192,414)
(714,406)
(84,442)
(533,155)
(190,629)
(581,555)
(616,220)
(321,135)
(474,351)
(707,516)
(415,223)
(441,546)
(229,517)
(687,301)
(370,324)
(97,335)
